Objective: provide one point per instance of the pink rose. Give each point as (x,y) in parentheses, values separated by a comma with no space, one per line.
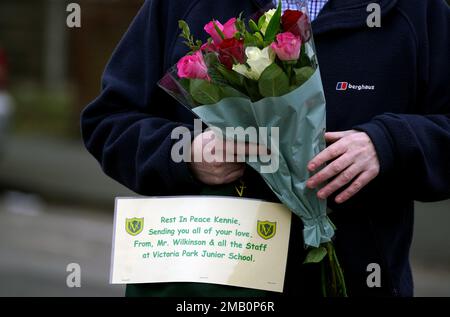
(228,29)
(287,47)
(193,67)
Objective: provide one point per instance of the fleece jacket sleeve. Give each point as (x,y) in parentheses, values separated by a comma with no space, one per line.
(128,127)
(417,145)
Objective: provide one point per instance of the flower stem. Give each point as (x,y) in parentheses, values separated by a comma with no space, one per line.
(333,269)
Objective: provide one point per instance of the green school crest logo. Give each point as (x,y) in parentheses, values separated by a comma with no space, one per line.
(266,229)
(134,226)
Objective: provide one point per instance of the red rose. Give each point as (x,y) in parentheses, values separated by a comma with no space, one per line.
(297,23)
(231,51)
(208,48)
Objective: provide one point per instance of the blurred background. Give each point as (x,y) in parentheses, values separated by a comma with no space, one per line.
(56,206)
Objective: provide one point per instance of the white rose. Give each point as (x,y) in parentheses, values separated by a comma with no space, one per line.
(268,16)
(258,60)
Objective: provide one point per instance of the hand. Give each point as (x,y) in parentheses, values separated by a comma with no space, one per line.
(354,160)
(216,167)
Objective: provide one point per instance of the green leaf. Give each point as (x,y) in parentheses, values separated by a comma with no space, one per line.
(274,26)
(316,255)
(273,82)
(261,21)
(216,77)
(240,24)
(219,31)
(260,39)
(252,89)
(212,61)
(227,91)
(253,26)
(185,83)
(184,28)
(234,78)
(302,75)
(204,92)
(186,34)
(304,58)
(251,40)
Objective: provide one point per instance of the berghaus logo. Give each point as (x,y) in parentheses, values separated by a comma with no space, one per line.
(343,86)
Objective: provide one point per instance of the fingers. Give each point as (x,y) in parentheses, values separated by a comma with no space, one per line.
(216,163)
(226,174)
(343,179)
(202,143)
(217,173)
(221,170)
(354,161)
(364,179)
(330,171)
(330,153)
(332,137)
(235,175)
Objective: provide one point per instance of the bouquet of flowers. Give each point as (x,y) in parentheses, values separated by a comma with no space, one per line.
(264,73)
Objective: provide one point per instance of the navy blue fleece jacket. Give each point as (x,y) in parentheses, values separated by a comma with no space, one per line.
(398,92)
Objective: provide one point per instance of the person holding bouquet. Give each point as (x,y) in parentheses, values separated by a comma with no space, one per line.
(387,116)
